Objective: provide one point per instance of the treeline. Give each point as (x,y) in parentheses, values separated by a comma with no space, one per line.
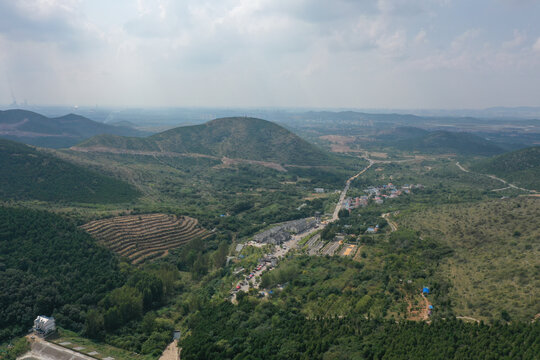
(125,317)
(256,330)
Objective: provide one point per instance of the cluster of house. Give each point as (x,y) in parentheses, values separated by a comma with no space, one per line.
(283,232)
(379,194)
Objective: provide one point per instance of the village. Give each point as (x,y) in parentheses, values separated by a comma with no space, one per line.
(378,195)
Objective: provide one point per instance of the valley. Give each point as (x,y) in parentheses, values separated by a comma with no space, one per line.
(185,247)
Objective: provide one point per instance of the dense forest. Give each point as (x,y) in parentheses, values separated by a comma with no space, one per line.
(49,267)
(256,330)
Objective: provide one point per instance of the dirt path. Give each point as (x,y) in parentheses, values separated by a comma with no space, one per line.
(224,160)
(421,313)
(41,349)
(393,225)
(467,318)
(171,352)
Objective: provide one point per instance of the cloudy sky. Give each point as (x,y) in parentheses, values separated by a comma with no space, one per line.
(291,53)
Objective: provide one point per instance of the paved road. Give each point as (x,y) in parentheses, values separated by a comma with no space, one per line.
(346,189)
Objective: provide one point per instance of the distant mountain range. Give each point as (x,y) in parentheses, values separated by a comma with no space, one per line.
(65,131)
(234,137)
(521,167)
(28,174)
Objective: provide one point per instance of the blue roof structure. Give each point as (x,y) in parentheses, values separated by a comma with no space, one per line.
(430,307)
(425,290)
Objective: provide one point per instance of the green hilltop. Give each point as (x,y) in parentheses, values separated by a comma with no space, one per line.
(28,174)
(520,167)
(234,137)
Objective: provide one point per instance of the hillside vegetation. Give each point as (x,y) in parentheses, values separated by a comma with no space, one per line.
(35,129)
(495,263)
(441,142)
(236,137)
(30,174)
(521,167)
(49,266)
(142,237)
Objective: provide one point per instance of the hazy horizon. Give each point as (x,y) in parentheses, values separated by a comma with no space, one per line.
(374,55)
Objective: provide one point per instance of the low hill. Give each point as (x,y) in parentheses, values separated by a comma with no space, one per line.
(521,167)
(402,133)
(440,142)
(49,266)
(29,174)
(35,129)
(235,137)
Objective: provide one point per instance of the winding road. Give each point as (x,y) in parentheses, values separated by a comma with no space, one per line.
(509,185)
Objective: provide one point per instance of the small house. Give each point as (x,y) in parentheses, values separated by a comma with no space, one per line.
(425,290)
(44,325)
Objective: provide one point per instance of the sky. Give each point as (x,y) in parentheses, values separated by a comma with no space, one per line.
(271,53)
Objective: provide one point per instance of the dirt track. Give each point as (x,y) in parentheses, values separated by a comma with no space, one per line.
(171,352)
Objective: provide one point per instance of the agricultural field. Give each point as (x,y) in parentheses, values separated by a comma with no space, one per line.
(494,268)
(143,237)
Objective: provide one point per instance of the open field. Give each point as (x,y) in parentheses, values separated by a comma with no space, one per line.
(495,265)
(141,237)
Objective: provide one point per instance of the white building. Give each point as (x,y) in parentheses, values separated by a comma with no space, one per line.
(44,324)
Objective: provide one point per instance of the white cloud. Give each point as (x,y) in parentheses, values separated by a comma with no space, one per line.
(518,40)
(243,52)
(536,46)
(421,37)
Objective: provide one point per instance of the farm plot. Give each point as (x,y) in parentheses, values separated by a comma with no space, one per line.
(348,250)
(142,237)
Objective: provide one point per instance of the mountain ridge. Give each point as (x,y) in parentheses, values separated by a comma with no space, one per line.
(35,129)
(232,137)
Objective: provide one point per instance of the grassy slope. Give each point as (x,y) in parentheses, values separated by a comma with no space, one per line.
(30,174)
(244,138)
(521,167)
(495,266)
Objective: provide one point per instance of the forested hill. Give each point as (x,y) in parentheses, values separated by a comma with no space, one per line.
(235,137)
(28,174)
(440,142)
(521,167)
(49,266)
(35,129)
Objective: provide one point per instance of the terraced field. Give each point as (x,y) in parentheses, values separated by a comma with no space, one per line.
(143,237)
